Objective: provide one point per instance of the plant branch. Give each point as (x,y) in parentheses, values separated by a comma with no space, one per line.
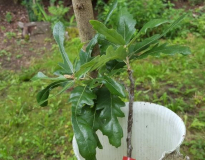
(130,114)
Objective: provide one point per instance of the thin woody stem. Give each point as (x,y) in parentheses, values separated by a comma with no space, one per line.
(130,114)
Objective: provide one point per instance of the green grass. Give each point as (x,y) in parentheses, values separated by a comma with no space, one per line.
(28,131)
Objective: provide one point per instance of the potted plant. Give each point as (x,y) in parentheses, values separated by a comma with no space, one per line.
(96,96)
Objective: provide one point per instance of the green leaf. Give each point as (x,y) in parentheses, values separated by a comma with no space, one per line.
(115,3)
(86,67)
(113,86)
(147,42)
(91,44)
(175,23)
(76,64)
(110,106)
(82,121)
(84,57)
(152,24)
(140,46)
(169,50)
(100,61)
(58,33)
(42,96)
(126,25)
(111,54)
(104,44)
(110,34)
(114,64)
(81,95)
(40,75)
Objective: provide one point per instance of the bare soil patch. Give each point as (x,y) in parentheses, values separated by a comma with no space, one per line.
(15,52)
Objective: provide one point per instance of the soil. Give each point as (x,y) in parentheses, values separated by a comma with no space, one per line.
(16,52)
(186,4)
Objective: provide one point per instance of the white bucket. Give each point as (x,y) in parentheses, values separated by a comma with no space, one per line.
(156,131)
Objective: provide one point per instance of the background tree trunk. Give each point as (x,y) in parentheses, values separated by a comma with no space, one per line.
(84,12)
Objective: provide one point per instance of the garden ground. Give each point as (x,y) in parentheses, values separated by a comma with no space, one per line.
(28,131)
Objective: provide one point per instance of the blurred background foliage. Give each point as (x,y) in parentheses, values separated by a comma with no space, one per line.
(28,131)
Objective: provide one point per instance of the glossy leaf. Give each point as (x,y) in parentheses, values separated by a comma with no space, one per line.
(110,34)
(111,54)
(114,64)
(140,46)
(169,50)
(41,75)
(100,61)
(152,24)
(58,33)
(82,121)
(42,96)
(110,105)
(104,44)
(90,46)
(81,95)
(113,86)
(86,67)
(115,3)
(126,25)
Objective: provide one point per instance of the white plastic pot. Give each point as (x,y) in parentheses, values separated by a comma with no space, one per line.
(156,131)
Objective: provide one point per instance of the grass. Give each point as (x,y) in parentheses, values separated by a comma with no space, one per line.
(28,131)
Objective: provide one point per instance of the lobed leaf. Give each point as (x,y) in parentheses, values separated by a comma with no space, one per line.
(126,25)
(58,33)
(42,96)
(82,120)
(110,105)
(110,34)
(113,86)
(81,95)
(100,61)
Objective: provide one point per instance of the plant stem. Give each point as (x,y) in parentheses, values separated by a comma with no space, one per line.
(130,114)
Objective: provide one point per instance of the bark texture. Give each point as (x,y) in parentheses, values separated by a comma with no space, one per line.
(84,12)
(130,114)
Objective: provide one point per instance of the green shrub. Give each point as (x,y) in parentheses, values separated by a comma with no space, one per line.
(9,17)
(196,2)
(145,10)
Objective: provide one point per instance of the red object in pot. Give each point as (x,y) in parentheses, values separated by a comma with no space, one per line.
(127,158)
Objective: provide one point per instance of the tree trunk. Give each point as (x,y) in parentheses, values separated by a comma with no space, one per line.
(84,12)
